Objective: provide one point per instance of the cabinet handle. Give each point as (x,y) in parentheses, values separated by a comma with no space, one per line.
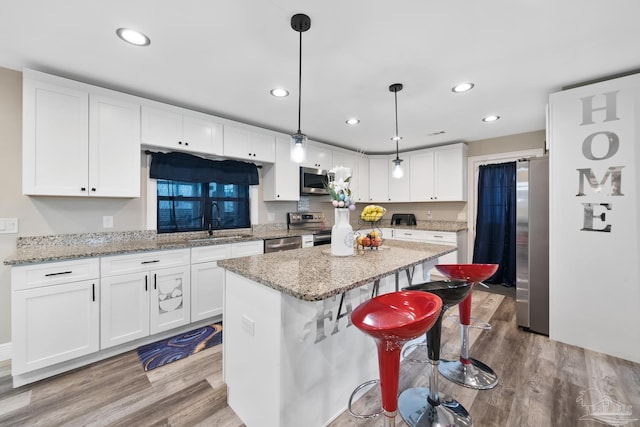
(93,291)
(146,283)
(83,188)
(57,274)
(179,142)
(93,189)
(155,281)
(186,143)
(150,262)
(437,236)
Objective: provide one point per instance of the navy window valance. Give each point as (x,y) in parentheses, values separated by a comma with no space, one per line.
(188,168)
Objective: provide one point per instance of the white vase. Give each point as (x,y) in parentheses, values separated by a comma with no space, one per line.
(342,234)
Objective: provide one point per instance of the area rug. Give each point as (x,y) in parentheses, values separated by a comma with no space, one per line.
(175,348)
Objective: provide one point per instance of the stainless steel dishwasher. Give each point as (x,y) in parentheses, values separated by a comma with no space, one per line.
(282,244)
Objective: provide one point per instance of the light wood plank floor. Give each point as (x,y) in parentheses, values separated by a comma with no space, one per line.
(540,383)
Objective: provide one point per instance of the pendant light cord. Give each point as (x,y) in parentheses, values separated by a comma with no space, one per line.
(300,82)
(395,94)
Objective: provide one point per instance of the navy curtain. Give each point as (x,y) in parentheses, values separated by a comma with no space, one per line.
(496,221)
(187,168)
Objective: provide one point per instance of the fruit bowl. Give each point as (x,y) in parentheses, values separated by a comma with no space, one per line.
(370,240)
(372,213)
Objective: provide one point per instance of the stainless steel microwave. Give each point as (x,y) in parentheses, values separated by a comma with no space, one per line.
(313,181)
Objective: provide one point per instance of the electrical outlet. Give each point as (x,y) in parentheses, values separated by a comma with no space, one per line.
(429,216)
(462,216)
(8,225)
(107,221)
(271,217)
(248,325)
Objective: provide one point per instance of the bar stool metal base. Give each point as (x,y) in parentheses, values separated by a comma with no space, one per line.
(474,375)
(418,411)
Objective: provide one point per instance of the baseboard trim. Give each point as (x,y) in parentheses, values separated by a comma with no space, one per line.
(5,351)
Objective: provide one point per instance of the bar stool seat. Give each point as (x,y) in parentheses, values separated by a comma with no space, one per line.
(467,371)
(391,320)
(421,406)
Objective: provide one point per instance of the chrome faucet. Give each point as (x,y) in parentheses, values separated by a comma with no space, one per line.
(214,209)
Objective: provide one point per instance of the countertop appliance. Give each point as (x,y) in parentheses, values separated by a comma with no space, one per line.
(314,222)
(313,181)
(403,219)
(532,244)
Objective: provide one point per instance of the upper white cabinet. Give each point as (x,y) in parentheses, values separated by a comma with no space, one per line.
(250,145)
(362,179)
(378,179)
(281,180)
(318,156)
(400,188)
(180,129)
(439,174)
(78,140)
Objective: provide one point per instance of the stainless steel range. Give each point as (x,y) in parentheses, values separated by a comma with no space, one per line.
(314,222)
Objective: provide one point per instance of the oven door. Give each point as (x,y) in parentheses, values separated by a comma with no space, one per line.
(322,239)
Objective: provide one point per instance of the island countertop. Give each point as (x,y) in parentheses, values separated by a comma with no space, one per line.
(313,274)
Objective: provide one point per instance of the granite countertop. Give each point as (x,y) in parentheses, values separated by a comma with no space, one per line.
(313,274)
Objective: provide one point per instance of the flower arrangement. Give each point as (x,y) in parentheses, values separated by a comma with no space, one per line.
(339,190)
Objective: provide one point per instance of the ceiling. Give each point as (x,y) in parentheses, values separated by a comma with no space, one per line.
(222,57)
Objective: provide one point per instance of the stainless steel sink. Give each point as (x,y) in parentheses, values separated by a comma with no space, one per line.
(217,238)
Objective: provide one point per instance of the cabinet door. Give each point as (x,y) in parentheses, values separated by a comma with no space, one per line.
(201,135)
(170,298)
(247,248)
(124,314)
(53,324)
(207,283)
(318,157)
(281,180)
(55,142)
(422,184)
(161,128)
(400,188)
(379,180)
(263,147)
(114,148)
(450,174)
(362,178)
(237,142)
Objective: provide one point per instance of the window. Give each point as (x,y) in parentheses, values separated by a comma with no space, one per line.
(189,206)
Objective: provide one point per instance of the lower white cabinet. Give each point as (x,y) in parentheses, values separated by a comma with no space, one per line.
(55,313)
(152,296)
(207,279)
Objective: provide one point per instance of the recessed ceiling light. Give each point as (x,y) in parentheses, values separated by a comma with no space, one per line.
(462,87)
(279,92)
(132,36)
(491,118)
(352,121)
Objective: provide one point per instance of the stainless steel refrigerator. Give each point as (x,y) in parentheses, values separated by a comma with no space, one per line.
(532,244)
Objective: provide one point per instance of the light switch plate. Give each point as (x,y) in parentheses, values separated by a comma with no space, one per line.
(8,225)
(107,222)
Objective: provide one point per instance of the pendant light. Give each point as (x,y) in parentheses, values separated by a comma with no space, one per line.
(300,23)
(397,168)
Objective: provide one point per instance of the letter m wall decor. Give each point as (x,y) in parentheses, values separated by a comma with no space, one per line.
(594,243)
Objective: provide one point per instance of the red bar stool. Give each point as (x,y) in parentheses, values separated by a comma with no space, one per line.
(467,371)
(420,406)
(391,320)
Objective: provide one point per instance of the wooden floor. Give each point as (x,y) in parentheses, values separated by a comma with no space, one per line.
(541,382)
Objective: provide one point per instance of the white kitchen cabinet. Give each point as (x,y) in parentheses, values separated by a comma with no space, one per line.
(78,140)
(400,188)
(246,144)
(281,180)
(143,294)
(439,174)
(179,129)
(207,279)
(378,179)
(55,313)
(362,180)
(318,156)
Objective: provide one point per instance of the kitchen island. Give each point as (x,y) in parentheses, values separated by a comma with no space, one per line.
(291,356)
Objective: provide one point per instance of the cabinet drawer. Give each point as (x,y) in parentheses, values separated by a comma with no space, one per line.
(446,237)
(54,273)
(210,253)
(123,264)
(247,248)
